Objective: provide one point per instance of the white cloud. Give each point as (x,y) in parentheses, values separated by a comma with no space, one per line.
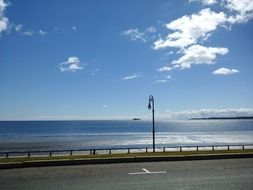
(130,77)
(18,27)
(6,25)
(135,34)
(165,68)
(205,113)
(205,2)
(165,80)
(243,10)
(3,5)
(4,22)
(189,30)
(198,54)
(170,53)
(225,71)
(27,33)
(161,81)
(42,33)
(151,29)
(71,65)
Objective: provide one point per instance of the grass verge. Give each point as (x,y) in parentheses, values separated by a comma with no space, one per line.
(120,155)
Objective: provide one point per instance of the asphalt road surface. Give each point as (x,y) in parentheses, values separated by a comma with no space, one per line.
(205,174)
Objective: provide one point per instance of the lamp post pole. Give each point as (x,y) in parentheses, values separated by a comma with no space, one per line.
(151,100)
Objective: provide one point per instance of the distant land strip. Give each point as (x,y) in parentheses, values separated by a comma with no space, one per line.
(210,118)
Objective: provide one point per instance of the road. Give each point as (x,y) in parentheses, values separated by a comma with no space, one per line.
(204,174)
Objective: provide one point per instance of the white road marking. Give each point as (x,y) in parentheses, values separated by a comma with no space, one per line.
(147,172)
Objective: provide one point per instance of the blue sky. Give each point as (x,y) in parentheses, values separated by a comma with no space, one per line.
(102,59)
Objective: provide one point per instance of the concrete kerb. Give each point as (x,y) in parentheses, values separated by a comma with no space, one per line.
(44,163)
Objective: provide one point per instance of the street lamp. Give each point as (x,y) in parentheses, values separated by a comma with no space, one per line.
(151,100)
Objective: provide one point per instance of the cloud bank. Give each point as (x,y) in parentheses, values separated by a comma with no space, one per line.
(198,54)
(242,10)
(205,113)
(189,30)
(189,33)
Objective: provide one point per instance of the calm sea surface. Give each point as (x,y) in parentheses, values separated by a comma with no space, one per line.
(45,135)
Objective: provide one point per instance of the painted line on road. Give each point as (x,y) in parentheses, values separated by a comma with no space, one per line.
(147,172)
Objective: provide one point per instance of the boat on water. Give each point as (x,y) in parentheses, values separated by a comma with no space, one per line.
(136,119)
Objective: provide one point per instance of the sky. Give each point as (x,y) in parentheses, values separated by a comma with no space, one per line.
(94,59)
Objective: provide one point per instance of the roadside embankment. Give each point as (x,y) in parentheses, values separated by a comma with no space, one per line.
(22,162)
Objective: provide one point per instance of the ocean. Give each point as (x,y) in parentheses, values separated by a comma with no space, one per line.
(59,135)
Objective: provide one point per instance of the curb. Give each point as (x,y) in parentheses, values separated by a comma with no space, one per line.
(44,163)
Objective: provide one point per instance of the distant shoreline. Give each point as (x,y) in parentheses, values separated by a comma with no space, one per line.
(214,118)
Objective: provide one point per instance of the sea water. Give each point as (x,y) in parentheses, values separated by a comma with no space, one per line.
(58,135)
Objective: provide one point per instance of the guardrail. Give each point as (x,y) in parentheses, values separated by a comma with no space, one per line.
(71,152)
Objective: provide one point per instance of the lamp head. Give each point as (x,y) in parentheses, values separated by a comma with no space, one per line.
(149,106)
